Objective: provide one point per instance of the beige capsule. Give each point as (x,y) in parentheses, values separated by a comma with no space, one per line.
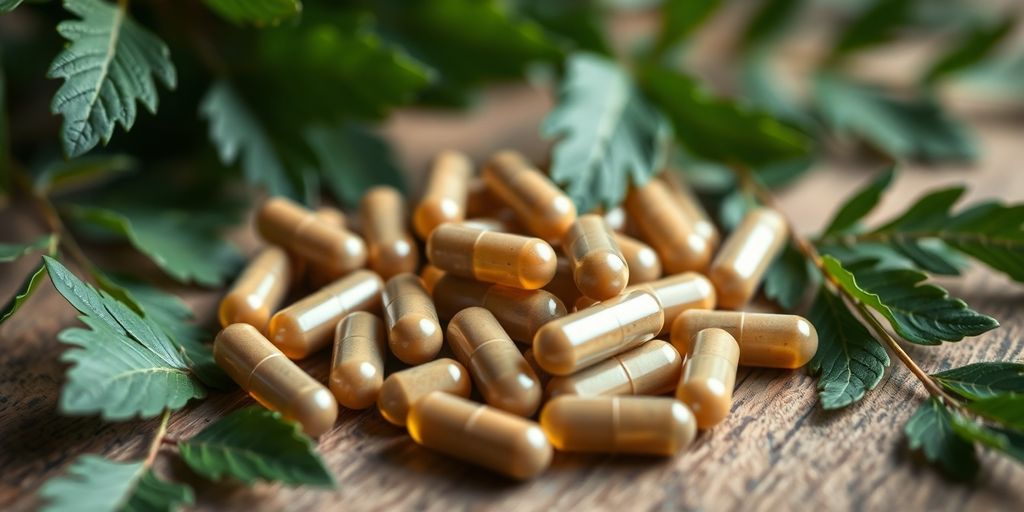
(274,381)
(402,389)
(493,257)
(542,375)
(414,332)
(702,225)
(599,268)
(357,363)
(563,285)
(316,276)
(392,249)
(709,376)
(643,425)
(650,369)
(520,312)
(317,241)
(676,294)
(740,266)
(307,325)
(540,205)
(430,275)
(642,260)
(765,339)
(664,225)
(258,291)
(445,197)
(481,435)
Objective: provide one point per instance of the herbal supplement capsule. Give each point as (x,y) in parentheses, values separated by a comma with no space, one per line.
(488,224)
(563,285)
(545,210)
(664,225)
(414,332)
(676,294)
(445,197)
(404,388)
(498,369)
(739,267)
(284,223)
(273,380)
(430,275)
(702,225)
(616,219)
(392,249)
(650,369)
(599,268)
(333,215)
(480,434)
(493,257)
(618,424)
(709,376)
(318,277)
(480,201)
(258,291)
(765,340)
(537,370)
(520,312)
(641,259)
(357,363)
(307,325)
(587,337)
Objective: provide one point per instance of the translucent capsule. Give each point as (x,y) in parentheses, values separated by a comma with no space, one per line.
(709,376)
(537,370)
(618,424)
(316,276)
(765,340)
(258,291)
(414,332)
(599,269)
(430,275)
(445,197)
(332,215)
(273,380)
(702,225)
(563,285)
(545,210)
(402,389)
(480,201)
(392,249)
(616,219)
(489,224)
(307,325)
(641,259)
(739,267)
(650,369)
(520,312)
(587,337)
(676,294)
(357,363)
(481,435)
(336,250)
(664,225)
(493,257)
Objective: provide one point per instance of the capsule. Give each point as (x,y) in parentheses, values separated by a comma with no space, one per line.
(481,435)
(542,375)
(642,261)
(766,340)
(414,332)
(445,197)
(480,201)
(664,225)
(616,219)
(545,210)
(702,225)
(498,369)
(284,223)
(599,269)
(563,285)
(357,363)
(650,369)
(392,249)
(316,276)
(677,293)
(307,325)
(520,312)
(273,380)
(402,389)
(430,275)
(644,425)
(258,291)
(332,215)
(709,376)
(738,269)
(493,257)
(587,337)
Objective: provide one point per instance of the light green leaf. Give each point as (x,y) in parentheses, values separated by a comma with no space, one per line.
(860,204)
(11,252)
(789,277)
(7,6)
(97,484)
(1000,75)
(1007,409)
(64,175)
(973,46)
(255,12)
(931,430)
(679,19)
(874,25)
(762,87)
(352,160)
(983,380)
(109,65)
(27,288)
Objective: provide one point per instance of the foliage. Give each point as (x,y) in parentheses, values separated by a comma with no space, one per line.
(98,484)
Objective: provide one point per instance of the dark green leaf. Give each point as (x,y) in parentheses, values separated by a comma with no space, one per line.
(983,380)
(734,207)
(1007,409)
(352,160)
(860,204)
(770,20)
(64,175)
(255,12)
(928,212)
(1001,75)
(27,288)
(789,278)
(96,484)
(931,430)
(11,252)
(931,255)
(1009,442)
(972,47)
(579,21)
(763,88)
(679,19)
(874,25)
(7,6)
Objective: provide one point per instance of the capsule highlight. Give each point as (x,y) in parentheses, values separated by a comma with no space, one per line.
(493,257)
(709,376)
(392,249)
(653,368)
(618,424)
(357,362)
(599,268)
(741,264)
(445,197)
(766,340)
(414,332)
(258,291)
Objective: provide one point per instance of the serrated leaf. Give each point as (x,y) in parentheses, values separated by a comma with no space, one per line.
(256,444)
(7,6)
(609,137)
(27,288)
(850,361)
(983,380)
(109,65)
(680,19)
(789,277)
(352,160)
(874,25)
(1006,409)
(63,175)
(972,47)
(931,430)
(11,252)
(255,12)
(860,204)
(97,484)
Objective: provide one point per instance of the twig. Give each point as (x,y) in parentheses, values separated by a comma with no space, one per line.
(52,219)
(154,446)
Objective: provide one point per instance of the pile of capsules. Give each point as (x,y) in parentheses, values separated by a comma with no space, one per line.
(574,332)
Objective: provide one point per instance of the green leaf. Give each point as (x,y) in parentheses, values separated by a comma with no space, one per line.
(875,25)
(609,137)
(1001,75)
(1009,442)
(849,361)
(973,47)
(256,444)
(352,160)
(27,288)
(97,484)
(789,277)
(1007,409)
(109,65)
(11,252)
(255,12)
(860,204)
(681,18)
(931,430)
(7,6)
(762,87)
(124,365)
(579,21)
(979,381)
(63,175)
(769,22)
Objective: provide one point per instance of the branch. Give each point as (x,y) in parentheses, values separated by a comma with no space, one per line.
(154,445)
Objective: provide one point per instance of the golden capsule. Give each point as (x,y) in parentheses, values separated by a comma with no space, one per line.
(740,265)
(599,269)
(520,312)
(480,434)
(644,425)
(300,231)
(563,285)
(587,337)
(430,275)
(709,376)
(545,210)
(641,259)
(650,369)
(480,201)
(445,197)
(677,293)
(489,224)
(332,215)
(357,363)
(414,332)
(664,225)
(273,380)
(258,291)
(402,389)
(542,375)
(616,219)
(392,249)
(308,325)
(316,276)
(493,257)
(702,225)
(765,340)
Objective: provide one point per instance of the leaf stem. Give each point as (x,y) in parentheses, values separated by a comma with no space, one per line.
(154,445)
(53,220)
